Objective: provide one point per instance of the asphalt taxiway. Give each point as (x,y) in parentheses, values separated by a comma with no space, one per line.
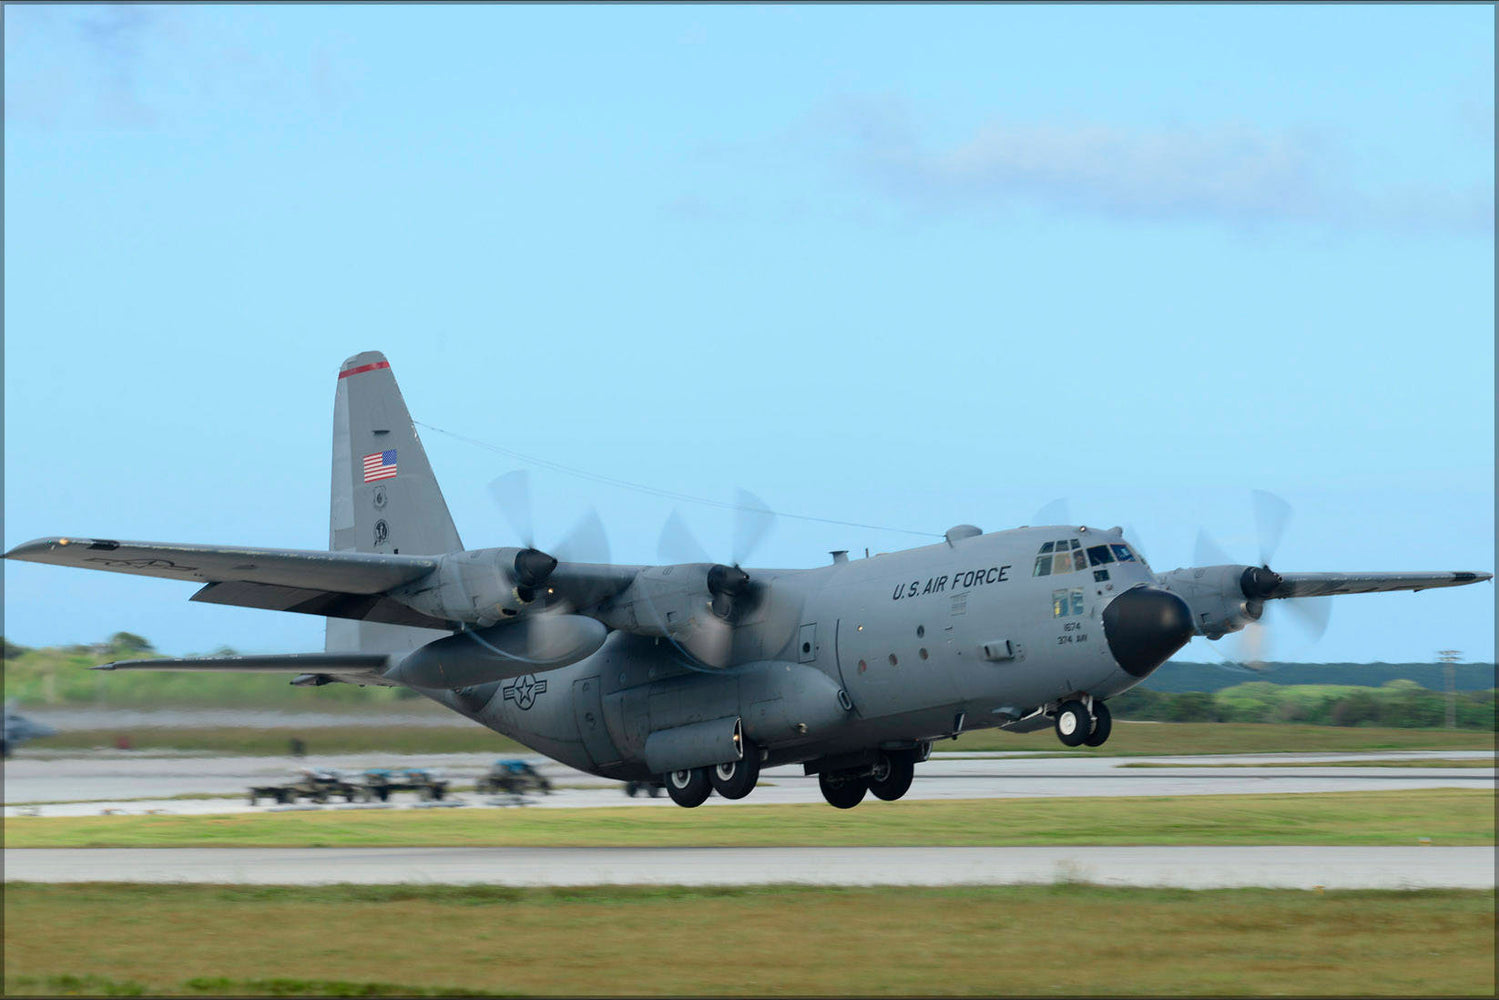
(1176,867)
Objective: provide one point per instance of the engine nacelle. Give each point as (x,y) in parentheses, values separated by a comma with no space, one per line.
(481,586)
(1223,599)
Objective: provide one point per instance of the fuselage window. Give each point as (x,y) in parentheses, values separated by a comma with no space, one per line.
(1122,553)
(1067,603)
(1061,556)
(1099,554)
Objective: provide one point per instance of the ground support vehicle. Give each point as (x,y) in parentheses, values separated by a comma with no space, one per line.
(317,784)
(381,783)
(513,777)
(651,788)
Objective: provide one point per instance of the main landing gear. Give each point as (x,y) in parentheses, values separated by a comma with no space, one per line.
(888,777)
(734,780)
(1077,726)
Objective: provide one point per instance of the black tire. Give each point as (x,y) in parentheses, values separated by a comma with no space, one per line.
(1073,723)
(253,798)
(631,788)
(438,791)
(1103,725)
(654,791)
(892,774)
(842,789)
(383,795)
(689,788)
(282,798)
(737,778)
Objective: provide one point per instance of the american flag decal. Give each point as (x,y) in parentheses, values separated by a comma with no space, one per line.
(380,465)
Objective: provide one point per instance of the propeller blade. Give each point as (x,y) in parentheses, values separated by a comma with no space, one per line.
(512,494)
(1058,511)
(1311,614)
(1271,517)
(1132,536)
(752,521)
(587,542)
(711,640)
(1207,552)
(678,544)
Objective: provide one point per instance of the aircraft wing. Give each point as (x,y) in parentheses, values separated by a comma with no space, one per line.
(291,663)
(330,584)
(1320,584)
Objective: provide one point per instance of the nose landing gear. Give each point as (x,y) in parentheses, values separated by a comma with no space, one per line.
(1077,726)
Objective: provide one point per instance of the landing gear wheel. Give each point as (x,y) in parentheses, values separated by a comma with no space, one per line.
(1073,723)
(689,788)
(892,775)
(842,789)
(1103,724)
(737,778)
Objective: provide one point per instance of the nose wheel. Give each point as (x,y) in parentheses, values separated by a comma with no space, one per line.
(1077,726)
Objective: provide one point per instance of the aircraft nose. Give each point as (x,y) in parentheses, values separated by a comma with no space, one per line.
(1144,627)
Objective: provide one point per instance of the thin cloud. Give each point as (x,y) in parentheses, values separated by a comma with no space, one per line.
(1230,175)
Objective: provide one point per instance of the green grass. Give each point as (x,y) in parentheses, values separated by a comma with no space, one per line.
(1446,816)
(1072,939)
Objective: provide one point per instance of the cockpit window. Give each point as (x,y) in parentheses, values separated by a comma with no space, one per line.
(1099,554)
(1079,561)
(1122,553)
(1063,555)
(1047,547)
(1043,565)
(1062,563)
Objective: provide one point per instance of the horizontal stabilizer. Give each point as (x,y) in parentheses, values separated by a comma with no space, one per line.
(1324,584)
(287,663)
(338,572)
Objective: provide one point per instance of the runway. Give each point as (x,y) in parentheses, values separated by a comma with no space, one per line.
(37,784)
(1175,867)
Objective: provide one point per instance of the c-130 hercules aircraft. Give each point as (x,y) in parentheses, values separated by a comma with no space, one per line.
(696,675)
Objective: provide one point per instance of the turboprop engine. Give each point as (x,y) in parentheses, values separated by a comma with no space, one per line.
(1223,599)
(480,587)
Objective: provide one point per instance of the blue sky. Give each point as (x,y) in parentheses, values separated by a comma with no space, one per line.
(901,266)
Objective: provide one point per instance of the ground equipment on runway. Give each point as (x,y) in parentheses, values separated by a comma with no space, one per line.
(316,784)
(19,729)
(512,776)
(381,783)
(696,673)
(650,788)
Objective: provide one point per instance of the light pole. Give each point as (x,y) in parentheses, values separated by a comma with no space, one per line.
(1449,658)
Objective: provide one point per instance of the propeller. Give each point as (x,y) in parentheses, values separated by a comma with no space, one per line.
(585,541)
(1058,511)
(1310,615)
(729,586)
(551,626)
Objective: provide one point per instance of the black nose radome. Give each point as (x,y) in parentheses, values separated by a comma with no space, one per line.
(1144,627)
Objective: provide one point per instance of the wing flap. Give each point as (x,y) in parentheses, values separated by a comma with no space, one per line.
(1326,584)
(327,603)
(338,572)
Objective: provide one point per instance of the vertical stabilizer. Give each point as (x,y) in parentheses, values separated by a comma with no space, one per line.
(385,498)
